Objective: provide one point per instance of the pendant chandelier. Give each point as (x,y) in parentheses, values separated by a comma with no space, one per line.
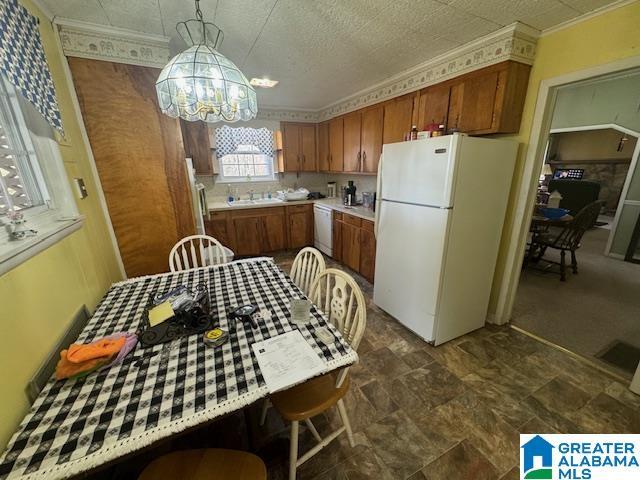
(201,83)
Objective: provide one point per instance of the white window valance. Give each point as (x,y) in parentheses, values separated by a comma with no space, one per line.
(228,139)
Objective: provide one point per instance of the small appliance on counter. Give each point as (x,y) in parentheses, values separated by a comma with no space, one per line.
(349,194)
(369,200)
(331,190)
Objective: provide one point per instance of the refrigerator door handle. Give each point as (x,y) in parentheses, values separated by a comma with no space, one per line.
(378,204)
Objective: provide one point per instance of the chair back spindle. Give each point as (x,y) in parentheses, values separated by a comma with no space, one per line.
(196,251)
(308,264)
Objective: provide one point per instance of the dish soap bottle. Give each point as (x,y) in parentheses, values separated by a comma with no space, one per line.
(229,194)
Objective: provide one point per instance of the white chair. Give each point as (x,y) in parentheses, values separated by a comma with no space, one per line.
(196,251)
(340,298)
(308,264)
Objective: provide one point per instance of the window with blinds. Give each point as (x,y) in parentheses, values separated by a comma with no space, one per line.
(19,185)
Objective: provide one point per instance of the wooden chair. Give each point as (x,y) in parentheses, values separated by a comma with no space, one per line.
(308,264)
(196,251)
(340,298)
(565,239)
(206,464)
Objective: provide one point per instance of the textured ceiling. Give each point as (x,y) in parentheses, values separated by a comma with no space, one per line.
(324,50)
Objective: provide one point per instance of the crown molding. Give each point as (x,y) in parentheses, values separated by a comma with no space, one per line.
(99,42)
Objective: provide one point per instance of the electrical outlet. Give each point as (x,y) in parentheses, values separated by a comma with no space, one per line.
(81,189)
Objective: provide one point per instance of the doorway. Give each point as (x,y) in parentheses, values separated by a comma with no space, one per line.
(588,161)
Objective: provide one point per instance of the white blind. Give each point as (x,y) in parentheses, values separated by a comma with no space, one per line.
(13,194)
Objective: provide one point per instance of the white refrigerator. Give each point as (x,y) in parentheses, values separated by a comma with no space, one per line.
(440,210)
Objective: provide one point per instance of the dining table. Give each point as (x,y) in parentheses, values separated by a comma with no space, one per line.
(77,426)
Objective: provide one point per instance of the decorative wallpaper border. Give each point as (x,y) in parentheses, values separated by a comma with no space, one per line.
(282,115)
(114,45)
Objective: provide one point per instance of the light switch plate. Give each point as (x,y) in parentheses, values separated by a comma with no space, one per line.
(81,189)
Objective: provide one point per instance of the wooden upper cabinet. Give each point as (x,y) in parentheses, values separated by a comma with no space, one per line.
(351,142)
(336,140)
(490,100)
(455,107)
(195,137)
(478,102)
(291,147)
(322,135)
(433,106)
(308,148)
(371,138)
(398,114)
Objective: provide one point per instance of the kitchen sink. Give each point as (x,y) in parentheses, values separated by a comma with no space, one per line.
(257,201)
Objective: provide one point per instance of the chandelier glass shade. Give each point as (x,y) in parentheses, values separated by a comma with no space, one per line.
(201,83)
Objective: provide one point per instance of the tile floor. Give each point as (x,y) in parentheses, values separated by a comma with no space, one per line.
(454,411)
(448,413)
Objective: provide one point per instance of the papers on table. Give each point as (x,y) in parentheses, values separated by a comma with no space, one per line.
(287,360)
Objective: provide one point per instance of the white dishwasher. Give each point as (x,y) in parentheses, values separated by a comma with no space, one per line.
(323,223)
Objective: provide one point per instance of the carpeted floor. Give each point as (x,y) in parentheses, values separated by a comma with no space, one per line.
(591,310)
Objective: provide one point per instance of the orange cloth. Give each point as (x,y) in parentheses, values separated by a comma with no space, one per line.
(67,369)
(79,353)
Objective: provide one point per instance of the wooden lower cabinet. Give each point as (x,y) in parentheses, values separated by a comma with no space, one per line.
(367,251)
(336,233)
(300,225)
(273,236)
(354,244)
(351,246)
(248,233)
(218,227)
(262,230)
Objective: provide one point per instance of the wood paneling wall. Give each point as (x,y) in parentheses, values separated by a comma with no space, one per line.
(140,159)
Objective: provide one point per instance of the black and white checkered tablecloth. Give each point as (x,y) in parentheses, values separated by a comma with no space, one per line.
(76,425)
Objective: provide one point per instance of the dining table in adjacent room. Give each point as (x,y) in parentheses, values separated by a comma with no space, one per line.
(77,426)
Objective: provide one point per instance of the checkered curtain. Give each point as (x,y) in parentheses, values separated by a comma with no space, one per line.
(228,139)
(23,62)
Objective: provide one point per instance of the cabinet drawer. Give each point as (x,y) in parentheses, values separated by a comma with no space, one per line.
(367,225)
(299,208)
(337,215)
(351,220)
(257,212)
(219,215)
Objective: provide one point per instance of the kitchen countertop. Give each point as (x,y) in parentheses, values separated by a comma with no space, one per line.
(218,205)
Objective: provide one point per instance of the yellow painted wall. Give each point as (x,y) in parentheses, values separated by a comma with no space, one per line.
(39,297)
(606,38)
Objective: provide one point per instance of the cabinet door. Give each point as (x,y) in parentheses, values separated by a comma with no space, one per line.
(478,102)
(291,147)
(371,143)
(433,106)
(195,136)
(323,146)
(308,148)
(218,228)
(351,142)
(455,106)
(336,138)
(247,233)
(336,248)
(367,252)
(273,234)
(397,119)
(300,229)
(351,246)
